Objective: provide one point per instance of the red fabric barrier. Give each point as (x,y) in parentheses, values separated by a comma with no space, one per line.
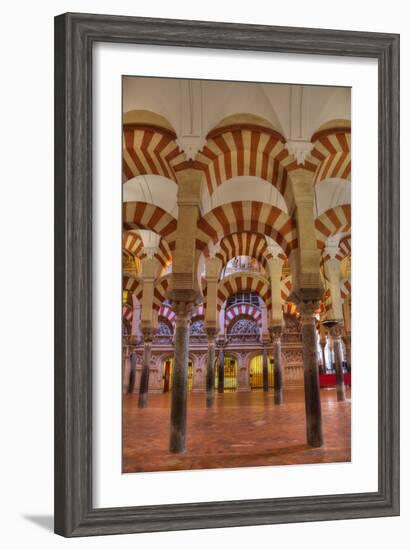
(329,380)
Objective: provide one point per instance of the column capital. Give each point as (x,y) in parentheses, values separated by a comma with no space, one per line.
(147,334)
(211,333)
(276,332)
(336,330)
(220,342)
(307,311)
(135,340)
(183,311)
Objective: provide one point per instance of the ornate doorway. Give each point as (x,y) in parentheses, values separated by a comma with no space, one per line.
(256,372)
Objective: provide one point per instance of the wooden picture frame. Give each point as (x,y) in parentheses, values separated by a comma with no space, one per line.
(75,35)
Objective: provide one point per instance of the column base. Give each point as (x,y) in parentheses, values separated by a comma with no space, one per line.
(142,400)
(277,398)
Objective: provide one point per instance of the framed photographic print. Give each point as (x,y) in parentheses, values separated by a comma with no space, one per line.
(226,274)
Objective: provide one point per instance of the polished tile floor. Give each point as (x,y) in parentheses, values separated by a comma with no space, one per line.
(242,429)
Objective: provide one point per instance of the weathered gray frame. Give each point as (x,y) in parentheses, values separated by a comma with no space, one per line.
(74,38)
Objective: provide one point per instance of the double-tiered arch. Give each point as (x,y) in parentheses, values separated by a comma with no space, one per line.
(246,216)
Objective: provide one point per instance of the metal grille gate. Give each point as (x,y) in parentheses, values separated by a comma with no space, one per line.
(256,372)
(230,374)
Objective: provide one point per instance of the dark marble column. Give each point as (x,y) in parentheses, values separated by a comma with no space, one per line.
(179,392)
(221,370)
(276,333)
(336,334)
(133,371)
(311,374)
(146,361)
(348,346)
(210,369)
(323,367)
(265,372)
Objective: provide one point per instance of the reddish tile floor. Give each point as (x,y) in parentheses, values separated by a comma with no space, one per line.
(242,429)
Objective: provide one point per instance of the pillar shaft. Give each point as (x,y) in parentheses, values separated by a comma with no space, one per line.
(221,371)
(336,333)
(311,375)
(210,370)
(136,321)
(278,370)
(347,341)
(323,347)
(146,361)
(265,372)
(133,371)
(180,379)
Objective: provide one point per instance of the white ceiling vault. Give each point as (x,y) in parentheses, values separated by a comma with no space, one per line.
(191,116)
(194,107)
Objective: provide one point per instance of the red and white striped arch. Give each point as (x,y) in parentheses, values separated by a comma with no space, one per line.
(286,288)
(245,150)
(198,313)
(127,313)
(247,310)
(132,244)
(345,292)
(331,154)
(162,285)
(333,221)
(290,309)
(166,312)
(345,248)
(327,301)
(248,282)
(245,244)
(343,251)
(246,216)
(133,285)
(142,215)
(149,150)
(345,288)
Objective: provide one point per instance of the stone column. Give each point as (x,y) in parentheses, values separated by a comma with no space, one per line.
(336,333)
(243,372)
(210,369)
(179,392)
(265,372)
(136,321)
(323,348)
(276,333)
(146,362)
(221,320)
(264,327)
(221,369)
(348,345)
(132,372)
(347,332)
(322,343)
(332,272)
(311,374)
